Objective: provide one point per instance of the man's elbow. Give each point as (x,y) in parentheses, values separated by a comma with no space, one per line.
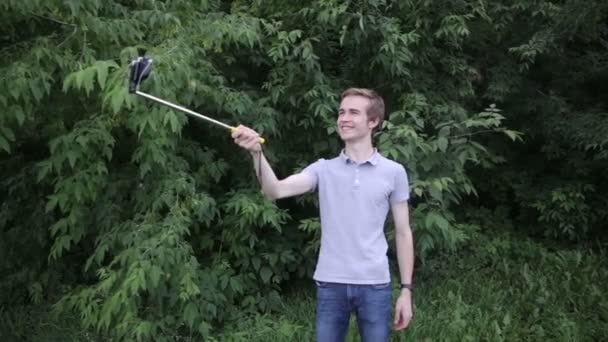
(273,193)
(271,196)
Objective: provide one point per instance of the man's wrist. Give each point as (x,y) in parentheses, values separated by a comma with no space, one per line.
(407,287)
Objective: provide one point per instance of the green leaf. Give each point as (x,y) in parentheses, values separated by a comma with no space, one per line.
(236,285)
(154,273)
(172,119)
(19,115)
(442,143)
(45,167)
(190,314)
(35,89)
(69,82)
(51,204)
(256,263)
(102,73)
(435,192)
(72,156)
(8,133)
(117,99)
(429,219)
(4,144)
(442,222)
(143,330)
(265,274)
(88,79)
(212,309)
(513,135)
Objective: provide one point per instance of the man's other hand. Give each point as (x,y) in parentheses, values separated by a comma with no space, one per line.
(403,310)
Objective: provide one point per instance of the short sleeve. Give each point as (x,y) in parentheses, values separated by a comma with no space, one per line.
(401,189)
(314,172)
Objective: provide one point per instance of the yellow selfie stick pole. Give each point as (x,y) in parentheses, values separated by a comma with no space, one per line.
(188,111)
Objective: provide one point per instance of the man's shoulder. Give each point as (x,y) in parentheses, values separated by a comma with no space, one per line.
(329,161)
(319,164)
(320,161)
(389,163)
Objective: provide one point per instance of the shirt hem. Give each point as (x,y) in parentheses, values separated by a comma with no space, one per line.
(352,281)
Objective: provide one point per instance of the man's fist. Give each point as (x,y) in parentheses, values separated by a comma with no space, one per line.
(247,138)
(403,311)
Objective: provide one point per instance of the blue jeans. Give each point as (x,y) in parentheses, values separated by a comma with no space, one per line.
(370,303)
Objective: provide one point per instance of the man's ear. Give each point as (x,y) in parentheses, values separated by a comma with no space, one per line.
(373,123)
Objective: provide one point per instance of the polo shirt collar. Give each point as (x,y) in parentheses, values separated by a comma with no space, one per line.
(373,159)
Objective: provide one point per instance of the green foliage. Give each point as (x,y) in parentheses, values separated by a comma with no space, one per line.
(500,288)
(149,225)
(551,87)
(517,290)
(566,212)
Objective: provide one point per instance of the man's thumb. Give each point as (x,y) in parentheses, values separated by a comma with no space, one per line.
(397,315)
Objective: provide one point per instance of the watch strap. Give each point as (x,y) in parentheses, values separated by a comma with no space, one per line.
(407,286)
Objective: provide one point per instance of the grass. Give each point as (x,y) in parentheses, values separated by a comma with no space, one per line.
(38,323)
(496,288)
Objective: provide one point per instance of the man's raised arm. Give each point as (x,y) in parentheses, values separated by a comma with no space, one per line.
(272,187)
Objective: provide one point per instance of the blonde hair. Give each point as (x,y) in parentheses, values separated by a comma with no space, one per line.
(375,110)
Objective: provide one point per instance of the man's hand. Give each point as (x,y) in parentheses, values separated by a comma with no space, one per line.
(247,138)
(403,310)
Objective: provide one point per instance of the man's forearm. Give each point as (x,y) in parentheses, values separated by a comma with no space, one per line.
(405,254)
(268,180)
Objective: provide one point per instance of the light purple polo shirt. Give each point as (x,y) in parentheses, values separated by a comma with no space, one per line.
(354,201)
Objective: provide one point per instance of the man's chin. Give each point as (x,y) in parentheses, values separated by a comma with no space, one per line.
(348,137)
(344,136)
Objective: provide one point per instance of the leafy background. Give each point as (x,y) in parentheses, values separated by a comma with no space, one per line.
(124,220)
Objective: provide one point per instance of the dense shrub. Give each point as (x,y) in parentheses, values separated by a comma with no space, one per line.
(147,224)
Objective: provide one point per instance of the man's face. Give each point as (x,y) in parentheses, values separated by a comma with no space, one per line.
(352,121)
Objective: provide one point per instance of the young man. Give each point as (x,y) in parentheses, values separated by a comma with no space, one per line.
(355,190)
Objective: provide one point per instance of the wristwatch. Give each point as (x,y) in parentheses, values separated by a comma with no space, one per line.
(407,286)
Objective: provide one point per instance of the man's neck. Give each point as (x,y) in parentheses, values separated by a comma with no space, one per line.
(359,151)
